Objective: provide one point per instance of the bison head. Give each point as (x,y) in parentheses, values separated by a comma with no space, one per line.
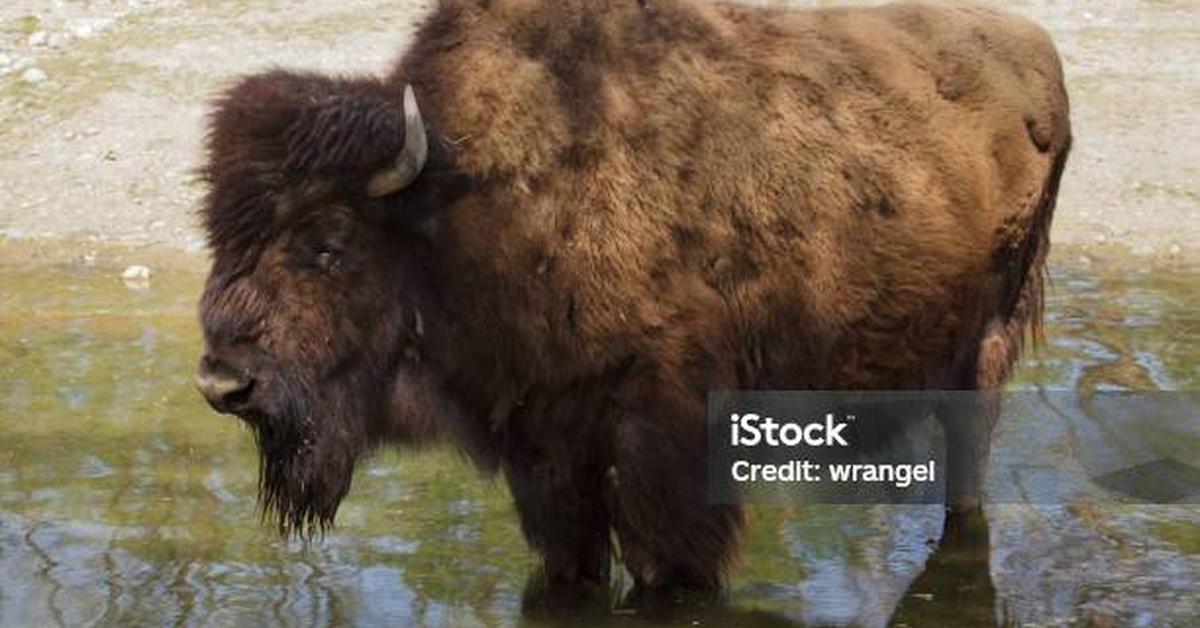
(307,315)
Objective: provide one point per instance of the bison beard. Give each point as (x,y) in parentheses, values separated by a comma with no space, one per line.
(308,450)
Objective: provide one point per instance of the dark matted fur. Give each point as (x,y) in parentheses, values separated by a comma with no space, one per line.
(626,206)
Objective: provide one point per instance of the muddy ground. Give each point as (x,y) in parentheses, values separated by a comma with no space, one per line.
(102,105)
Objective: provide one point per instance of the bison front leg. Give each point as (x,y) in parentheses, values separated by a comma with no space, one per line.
(670,537)
(564,516)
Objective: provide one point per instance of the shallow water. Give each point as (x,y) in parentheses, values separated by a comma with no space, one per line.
(123,499)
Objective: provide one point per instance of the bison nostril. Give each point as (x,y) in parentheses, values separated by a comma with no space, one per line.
(224,391)
(240,398)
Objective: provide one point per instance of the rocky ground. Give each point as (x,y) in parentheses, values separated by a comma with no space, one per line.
(102,105)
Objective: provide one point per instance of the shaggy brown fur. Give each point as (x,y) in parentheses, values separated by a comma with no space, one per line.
(625,207)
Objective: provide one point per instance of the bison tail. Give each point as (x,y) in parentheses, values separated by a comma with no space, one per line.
(1004,337)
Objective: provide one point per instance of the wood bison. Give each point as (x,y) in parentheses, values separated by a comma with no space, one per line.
(557,224)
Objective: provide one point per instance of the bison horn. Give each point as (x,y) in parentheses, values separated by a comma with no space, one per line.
(412,157)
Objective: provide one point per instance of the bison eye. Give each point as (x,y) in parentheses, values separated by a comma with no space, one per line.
(325,260)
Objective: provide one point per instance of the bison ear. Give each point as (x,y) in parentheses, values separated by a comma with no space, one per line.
(408,164)
(345,126)
(306,123)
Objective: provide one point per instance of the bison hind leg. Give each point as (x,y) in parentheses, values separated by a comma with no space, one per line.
(969,430)
(968,421)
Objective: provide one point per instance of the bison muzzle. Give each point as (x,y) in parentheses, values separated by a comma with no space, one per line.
(556,225)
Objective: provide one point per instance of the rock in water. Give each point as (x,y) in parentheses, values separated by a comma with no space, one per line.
(136,277)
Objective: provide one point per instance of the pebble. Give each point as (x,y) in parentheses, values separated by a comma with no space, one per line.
(82,30)
(37,38)
(136,277)
(136,271)
(5,60)
(193,244)
(33,75)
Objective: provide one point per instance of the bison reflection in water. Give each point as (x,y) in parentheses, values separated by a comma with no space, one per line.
(556,225)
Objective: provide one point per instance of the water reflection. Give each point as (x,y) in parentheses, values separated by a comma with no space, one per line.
(124,500)
(955,587)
